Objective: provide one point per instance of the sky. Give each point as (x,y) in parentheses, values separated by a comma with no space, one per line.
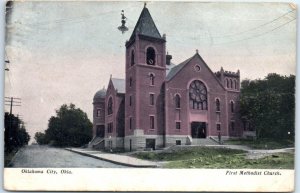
(64,52)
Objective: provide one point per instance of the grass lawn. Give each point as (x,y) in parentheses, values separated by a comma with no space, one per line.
(261,143)
(217,158)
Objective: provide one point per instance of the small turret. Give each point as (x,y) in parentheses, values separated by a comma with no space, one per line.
(168,59)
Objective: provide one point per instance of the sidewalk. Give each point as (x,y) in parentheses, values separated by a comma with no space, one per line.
(115,158)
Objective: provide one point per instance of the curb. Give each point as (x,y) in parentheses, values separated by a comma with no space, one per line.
(11,163)
(112,161)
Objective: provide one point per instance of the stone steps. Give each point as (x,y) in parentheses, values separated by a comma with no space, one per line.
(204,141)
(95,141)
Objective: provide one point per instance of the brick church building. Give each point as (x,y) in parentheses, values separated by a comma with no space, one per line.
(161,104)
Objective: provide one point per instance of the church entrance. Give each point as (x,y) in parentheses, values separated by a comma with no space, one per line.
(100,131)
(198,129)
(150,144)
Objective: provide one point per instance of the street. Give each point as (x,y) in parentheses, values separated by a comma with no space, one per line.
(36,156)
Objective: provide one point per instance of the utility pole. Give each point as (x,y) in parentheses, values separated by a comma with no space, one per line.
(12,101)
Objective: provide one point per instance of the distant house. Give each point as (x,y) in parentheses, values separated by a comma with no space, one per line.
(162,104)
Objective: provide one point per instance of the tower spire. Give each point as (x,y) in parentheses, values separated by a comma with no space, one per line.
(145,25)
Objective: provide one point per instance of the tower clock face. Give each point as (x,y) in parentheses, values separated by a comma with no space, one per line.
(198,95)
(150,61)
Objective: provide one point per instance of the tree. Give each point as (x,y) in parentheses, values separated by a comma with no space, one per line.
(15,134)
(269,105)
(70,127)
(40,138)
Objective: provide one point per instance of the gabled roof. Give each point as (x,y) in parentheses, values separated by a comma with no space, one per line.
(145,26)
(177,68)
(119,85)
(169,67)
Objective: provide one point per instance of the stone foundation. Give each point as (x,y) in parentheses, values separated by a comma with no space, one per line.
(114,143)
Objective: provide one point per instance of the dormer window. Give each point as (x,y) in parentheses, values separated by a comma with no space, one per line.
(150,57)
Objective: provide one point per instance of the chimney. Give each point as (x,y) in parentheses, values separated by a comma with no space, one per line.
(168,59)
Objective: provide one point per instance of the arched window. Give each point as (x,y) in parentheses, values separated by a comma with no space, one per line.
(132,58)
(235,85)
(217,105)
(177,101)
(150,56)
(152,79)
(130,100)
(198,95)
(231,83)
(110,106)
(130,82)
(232,106)
(227,83)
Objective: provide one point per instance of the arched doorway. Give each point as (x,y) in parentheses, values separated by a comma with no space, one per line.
(198,129)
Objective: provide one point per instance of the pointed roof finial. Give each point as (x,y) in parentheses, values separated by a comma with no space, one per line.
(110,76)
(197,51)
(145,4)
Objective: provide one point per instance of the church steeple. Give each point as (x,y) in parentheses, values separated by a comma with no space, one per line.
(145,26)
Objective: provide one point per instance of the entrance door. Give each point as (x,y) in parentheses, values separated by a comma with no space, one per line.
(198,129)
(100,131)
(150,143)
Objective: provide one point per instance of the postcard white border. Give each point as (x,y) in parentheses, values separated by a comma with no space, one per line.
(89,179)
(95,178)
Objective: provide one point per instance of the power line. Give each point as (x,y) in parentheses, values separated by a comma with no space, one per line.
(258,35)
(251,29)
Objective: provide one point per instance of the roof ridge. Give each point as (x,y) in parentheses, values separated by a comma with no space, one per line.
(178,67)
(118,78)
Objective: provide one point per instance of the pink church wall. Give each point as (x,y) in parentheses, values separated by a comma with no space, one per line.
(98,104)
(141,109)
(215,90)
(112,118)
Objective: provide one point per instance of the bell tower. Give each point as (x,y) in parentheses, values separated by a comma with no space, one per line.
(145,76)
